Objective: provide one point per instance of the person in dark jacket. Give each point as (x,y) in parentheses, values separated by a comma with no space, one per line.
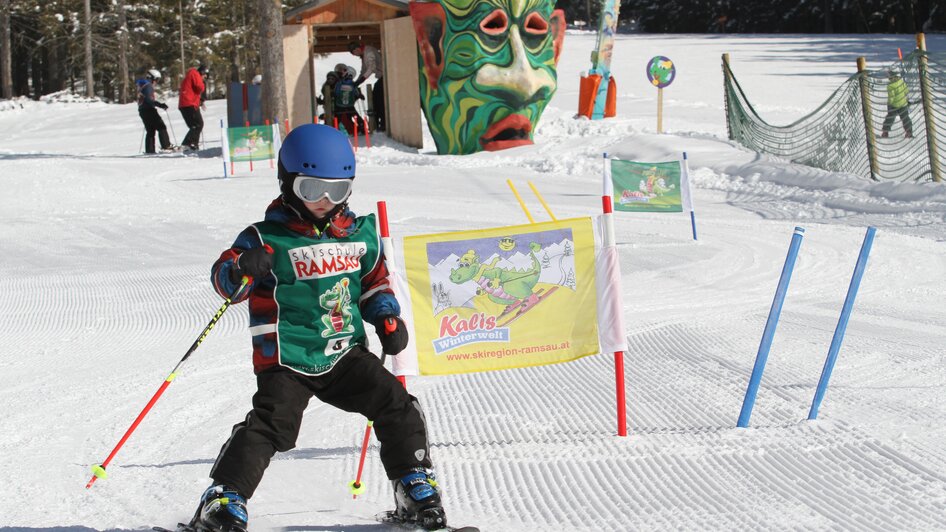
(148,111)
(314,274)
(190,102)
(371,64)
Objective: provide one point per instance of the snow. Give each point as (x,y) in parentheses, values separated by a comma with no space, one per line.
(104,286)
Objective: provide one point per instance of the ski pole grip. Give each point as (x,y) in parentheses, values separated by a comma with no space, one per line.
(390,324)
(268,248)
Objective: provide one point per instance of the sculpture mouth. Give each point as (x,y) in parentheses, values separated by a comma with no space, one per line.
(509,132)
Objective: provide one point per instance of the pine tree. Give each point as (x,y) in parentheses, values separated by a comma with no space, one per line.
(6,57)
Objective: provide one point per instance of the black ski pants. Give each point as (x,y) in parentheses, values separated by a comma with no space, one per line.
(153,123)
(377,102)
(195,124)
(357,383)
(903,113)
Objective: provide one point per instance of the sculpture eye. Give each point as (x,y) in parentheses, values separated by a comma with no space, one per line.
(495,23)
(536,25)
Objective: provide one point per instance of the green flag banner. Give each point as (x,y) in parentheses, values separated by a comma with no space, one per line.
(254,143)
(647,187)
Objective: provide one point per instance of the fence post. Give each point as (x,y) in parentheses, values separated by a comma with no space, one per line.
(865,108)
(927,94)
(727,82)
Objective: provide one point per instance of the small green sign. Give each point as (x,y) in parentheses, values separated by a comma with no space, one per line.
(254,143)
(646,187)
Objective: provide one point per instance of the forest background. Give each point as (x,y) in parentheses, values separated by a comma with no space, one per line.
(49,46)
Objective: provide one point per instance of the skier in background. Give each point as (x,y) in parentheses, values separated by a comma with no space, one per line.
(345,94)
(190,102)
(323,268)
(897,105)
(326,94)
(371,63)
(148,111)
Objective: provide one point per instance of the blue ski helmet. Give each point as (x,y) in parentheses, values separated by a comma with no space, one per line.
(315,150)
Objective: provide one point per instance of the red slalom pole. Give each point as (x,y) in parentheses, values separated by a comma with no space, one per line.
(618,355)
(608,209)
(355,486)
(386,234)
(98,470)
(355,122)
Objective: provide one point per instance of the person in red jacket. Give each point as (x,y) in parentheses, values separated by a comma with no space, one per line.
(190,103)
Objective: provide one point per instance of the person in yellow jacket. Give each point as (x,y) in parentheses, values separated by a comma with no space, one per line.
(897,105)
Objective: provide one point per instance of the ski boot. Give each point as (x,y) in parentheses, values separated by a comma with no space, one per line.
(417,499)
(222,509)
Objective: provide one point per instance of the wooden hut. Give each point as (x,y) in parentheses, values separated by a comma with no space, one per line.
(327,26)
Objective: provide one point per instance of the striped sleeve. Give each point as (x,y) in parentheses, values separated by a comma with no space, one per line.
(377,298)
(220,272)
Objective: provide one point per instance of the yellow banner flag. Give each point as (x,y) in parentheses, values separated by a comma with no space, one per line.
(502,298)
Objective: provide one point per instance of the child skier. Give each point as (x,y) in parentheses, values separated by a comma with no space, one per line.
(317,273)
(346,94)
(148,111)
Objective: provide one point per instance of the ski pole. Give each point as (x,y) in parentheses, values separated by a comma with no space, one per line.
(355,486)
(98,470)
(173,135)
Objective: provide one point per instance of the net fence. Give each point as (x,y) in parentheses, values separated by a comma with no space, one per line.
(882,124)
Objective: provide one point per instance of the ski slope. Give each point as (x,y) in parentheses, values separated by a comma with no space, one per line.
(104,286)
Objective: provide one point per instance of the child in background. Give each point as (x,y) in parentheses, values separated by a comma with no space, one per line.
(347,94)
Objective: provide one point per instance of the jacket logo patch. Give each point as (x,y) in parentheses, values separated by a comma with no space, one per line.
(326,260)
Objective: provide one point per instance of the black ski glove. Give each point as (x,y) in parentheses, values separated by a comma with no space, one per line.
(393,334)
(254,262)
(162,105)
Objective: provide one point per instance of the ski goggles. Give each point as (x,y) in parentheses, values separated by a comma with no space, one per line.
(312,189)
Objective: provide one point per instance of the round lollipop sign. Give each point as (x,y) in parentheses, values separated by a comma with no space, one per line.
(661,71)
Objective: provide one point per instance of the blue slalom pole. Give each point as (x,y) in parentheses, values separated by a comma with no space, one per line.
(689,192)
(770,324)
(842,323)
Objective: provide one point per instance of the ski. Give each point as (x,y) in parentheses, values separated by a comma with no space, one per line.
(525,306)
(390,518)
(181,527)
(519,303)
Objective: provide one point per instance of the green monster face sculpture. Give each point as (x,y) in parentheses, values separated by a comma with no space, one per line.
(487,69)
